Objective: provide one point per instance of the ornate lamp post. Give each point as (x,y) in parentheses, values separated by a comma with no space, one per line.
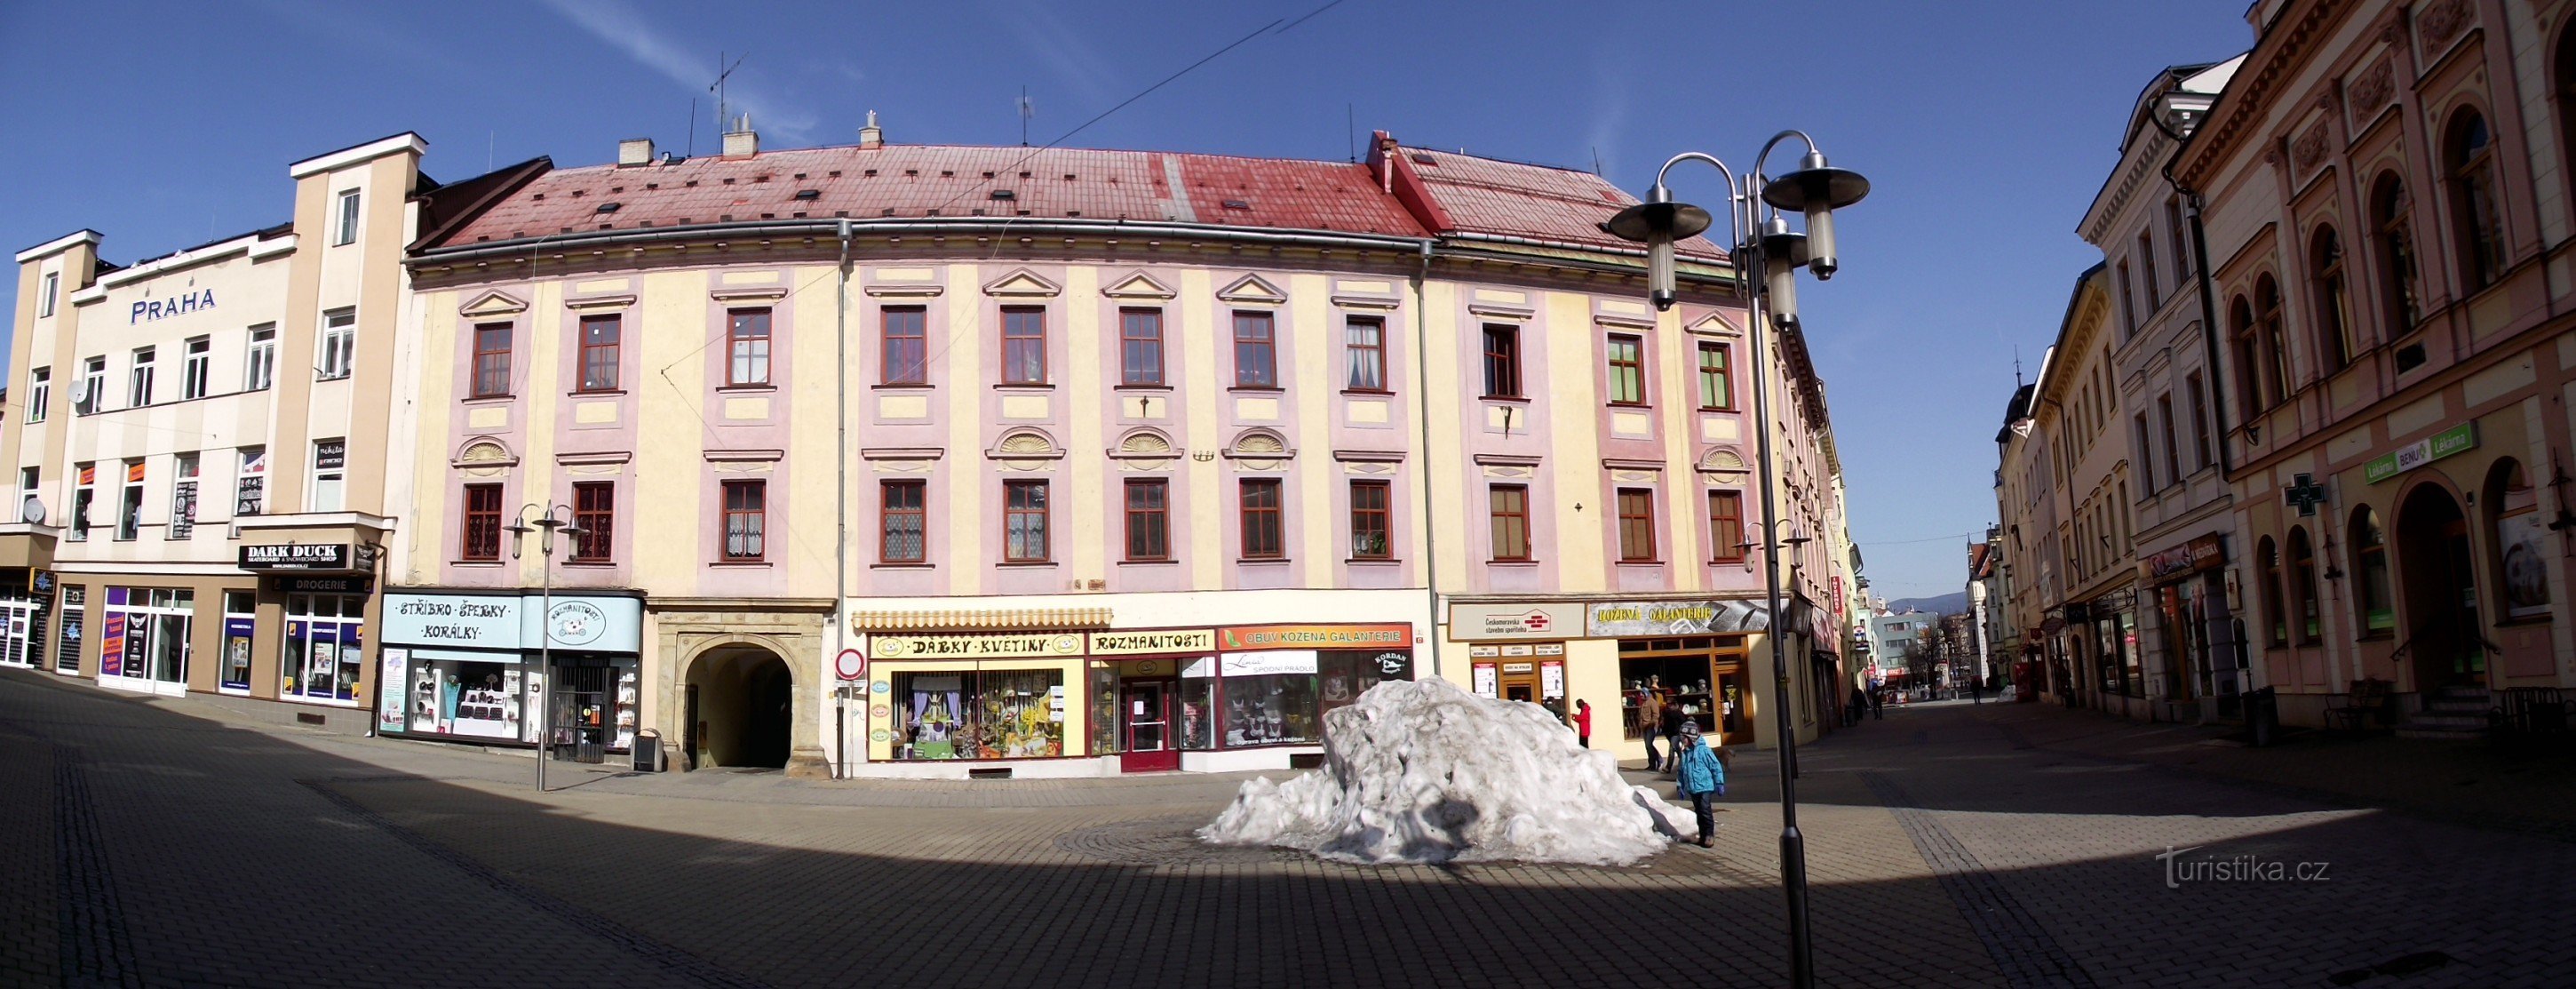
(551,526)
(1767,256)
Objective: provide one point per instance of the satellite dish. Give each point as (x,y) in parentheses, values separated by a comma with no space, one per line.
(33,510)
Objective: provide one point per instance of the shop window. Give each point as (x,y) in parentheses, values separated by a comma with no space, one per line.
(468,698)
(1365,349)
(2370,567)
(906,359)
(2469,158)
(259,364)
(746,521)
(1636,525)
(1701,677)
(2523,547)
(339,345)
(603,341)
(240,621)
(1024,346)
(594,512)
(970,714)
(1256,362)
(323,651)
(2303,582)
(1716,386)
(747,347)
(902,522)
(1627,370)
(1726,526)
(1502,361)
(1024,522)
(1149,520)
(1275,700)
(1140,347)
(482,524)
(1369,515)
(1263,538)
(145,637)
(67,654)
(1509,506)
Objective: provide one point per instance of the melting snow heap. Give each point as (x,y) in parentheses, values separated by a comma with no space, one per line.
(1423,772)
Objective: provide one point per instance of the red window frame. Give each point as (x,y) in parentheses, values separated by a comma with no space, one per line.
(491,363)
(1256,346)
(1371,355)
(1263,530)
(1716,379)
(744,329)
(1024,345)
(1502,360)
(903,349)
(594,512)
(745,538)
(1636,525)
(1148,503)
(1509,506)
(1029,516)
(1627,376)
(481,533)
(1370,518)
(1140,332)
(903,501)
(602,338)
(1726,526)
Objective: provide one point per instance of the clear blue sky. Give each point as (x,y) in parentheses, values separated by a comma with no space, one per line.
(1986,128)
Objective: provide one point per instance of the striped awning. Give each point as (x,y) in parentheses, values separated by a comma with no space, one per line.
(975,619)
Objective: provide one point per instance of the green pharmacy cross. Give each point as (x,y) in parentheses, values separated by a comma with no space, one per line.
(2305,494)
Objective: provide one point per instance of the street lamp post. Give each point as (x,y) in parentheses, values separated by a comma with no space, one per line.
(551,526)
(1767,256)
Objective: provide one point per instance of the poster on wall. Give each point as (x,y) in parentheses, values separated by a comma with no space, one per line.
(1485,680)
(1551,681)
(111,642)
(2526,565)
(389,689)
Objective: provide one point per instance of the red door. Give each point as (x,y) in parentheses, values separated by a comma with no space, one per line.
(1150,745)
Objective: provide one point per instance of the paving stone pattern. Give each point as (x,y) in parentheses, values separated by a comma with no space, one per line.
(170,845)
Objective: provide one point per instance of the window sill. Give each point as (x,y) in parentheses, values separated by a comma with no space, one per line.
(1263,561)
(2520,622)
(1255,389)
(1369,392)
(1630,405)
(1149,563)
(1373,561)
(755,389)
(490,399)
(904,386)
(597,392)
(331,377)
(1714,409)
(902,566)
(1736,562)
(476,564)
(739,564)
(1515,399)
(1026,564)
(1157,388)
(590,564)
(2391,636)
(1511,563)
(1641,563)
(1036,386)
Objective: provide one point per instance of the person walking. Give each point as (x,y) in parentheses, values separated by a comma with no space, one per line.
(1878,703)
(1859,704)
(1977,689)
(1702,777)
(1583,723)
(1650,723)
(1672,729)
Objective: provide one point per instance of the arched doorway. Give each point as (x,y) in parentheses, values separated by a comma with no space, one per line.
(2444,637)
(740,703)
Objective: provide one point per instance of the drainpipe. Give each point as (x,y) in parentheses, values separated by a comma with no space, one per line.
(1422,428)
(841,505)
(2208,297)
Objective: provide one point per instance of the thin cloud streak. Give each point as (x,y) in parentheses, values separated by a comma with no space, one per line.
(624,29)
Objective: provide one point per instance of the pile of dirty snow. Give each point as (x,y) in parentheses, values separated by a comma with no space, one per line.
(1421,772)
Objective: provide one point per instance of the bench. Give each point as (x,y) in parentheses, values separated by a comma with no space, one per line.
(2362,705)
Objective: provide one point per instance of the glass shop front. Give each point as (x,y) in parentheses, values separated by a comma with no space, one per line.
(467,668)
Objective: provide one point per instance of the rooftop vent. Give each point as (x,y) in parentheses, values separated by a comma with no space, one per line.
(739,140)
(809,194)
(608,207)
(1005,194)
(634,151)
(1237,204)
(1422,159)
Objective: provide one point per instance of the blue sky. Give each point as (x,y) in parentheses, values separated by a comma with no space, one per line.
(1985,127)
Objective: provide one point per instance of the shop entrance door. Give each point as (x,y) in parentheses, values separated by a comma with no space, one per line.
(581,714)
(21,629)
(1734,727)
(2445,636)
(1150,747)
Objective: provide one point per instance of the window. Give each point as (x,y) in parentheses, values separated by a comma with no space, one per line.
(40,393)
(2334,305)
(594,512)
(1140,346)
(2268,557)
(1716,385)
(323,652)
(1726,526)
(348,219)
(2146,453)
(1509,505)
(901,522)
(2396,256)
(746,521)
(259,370)
(339,344)
(84,491)
(1262,538)
(2370,562)
(2522,544)
(2174,234)
(45,296)
(1024,346)
(1502,361)
(250,485)
(2303,582)
(1149,520)
(602,346)
(1627,371)
(129,514)
(906,346)
(2471,163)
(747,347)
(2199,421)
(30,486)
(1256,361)
(1636,525)
(1024,522)
(183,498)
(492,360)
(2173,456)
(241,617)
(138,383)
(1370,515)
(330,467)
(2240,338)
(2276,344)
(85,395)
(1365,339)
(197,368)
(2128,306)
(2147,272)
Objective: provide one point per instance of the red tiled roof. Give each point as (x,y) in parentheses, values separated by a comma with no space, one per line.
(911,181)
(1482,195)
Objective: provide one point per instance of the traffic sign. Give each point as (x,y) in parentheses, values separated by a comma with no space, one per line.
(851,665)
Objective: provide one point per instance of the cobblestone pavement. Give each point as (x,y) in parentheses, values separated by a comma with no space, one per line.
(143,844)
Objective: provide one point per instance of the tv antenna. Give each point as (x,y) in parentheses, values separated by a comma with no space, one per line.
(723,72)
(1028,111)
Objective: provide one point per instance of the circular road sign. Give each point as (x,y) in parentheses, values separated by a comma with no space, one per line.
(851,665)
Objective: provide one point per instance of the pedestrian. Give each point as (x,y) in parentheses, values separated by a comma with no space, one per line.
(1878,703)
(1650,721)
(1583,723)
(1859,704)
(1977,689)
(1702,777)
(1672,728)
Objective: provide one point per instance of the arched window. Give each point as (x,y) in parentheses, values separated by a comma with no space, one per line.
(2370,572)
(2276,343)
(2469,158)
(2398,287)
(2566,74)
(2269,557)
(2249,365)
(2303,583)
(2334,304)
(2522,543)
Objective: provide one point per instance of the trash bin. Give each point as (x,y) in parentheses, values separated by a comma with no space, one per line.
(2263,716)
(648,751)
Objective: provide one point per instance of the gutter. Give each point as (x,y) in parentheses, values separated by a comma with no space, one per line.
(2208,298)
(841,501)
(1422,431)
(977,226)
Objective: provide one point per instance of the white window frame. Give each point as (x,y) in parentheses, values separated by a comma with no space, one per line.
(129,502)
(138,378)
(40,392)
(76,521)
(31,485)
(259,370)
(197,361)
(336,477)
(183,498)
(45,300)
(349,216)
(339,345)
(93,380)
(251,462)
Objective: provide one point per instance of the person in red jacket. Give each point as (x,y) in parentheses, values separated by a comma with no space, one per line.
(1583,723)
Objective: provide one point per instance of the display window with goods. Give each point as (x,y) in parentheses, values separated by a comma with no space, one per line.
(1701,678)
(979,714)
(468,666)
(241,622)
(324,648)
(464,695)
(75,622)
(143,638)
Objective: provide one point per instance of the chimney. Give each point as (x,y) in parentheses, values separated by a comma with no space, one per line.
(871,137)
(634,151)
(740,141)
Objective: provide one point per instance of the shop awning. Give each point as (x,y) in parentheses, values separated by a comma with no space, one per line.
(962,619)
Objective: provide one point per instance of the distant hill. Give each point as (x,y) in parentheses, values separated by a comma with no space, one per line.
(1953,603)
